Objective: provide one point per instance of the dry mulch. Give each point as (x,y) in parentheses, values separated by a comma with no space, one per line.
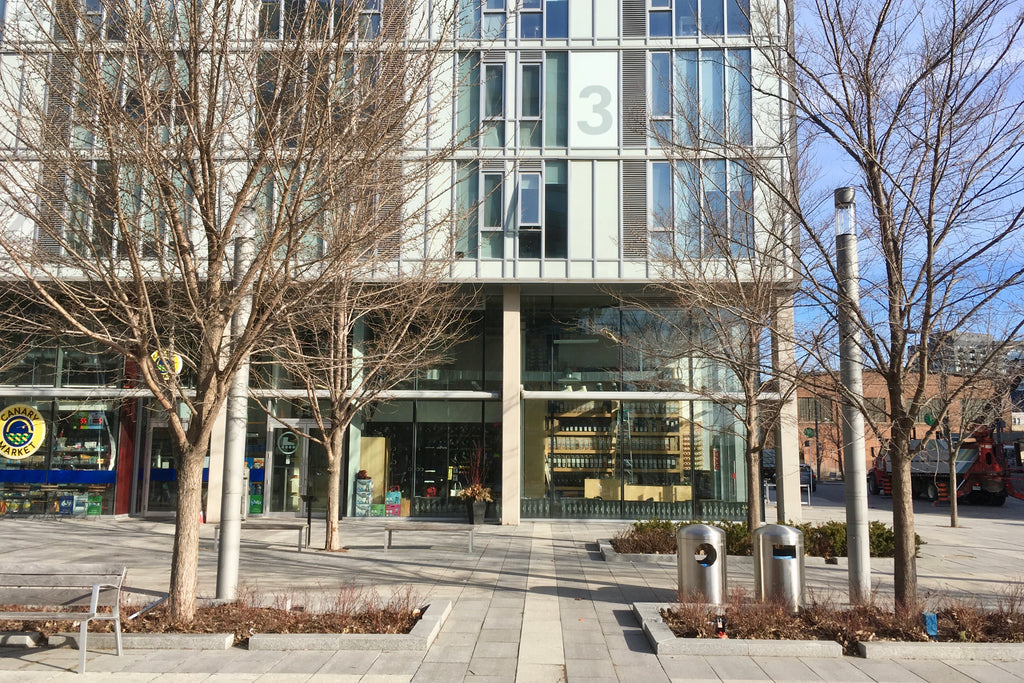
(354,611)
(958,621)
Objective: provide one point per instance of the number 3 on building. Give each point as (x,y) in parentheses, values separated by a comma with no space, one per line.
(600,98)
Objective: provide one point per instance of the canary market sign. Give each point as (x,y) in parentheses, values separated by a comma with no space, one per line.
(22,430)
(166,363)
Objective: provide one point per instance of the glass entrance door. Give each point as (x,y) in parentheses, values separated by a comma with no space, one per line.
(299,466)
(286,472)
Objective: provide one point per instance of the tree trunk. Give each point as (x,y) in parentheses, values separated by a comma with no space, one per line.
(753,469)
(335,456)
(185,560)
(905,562)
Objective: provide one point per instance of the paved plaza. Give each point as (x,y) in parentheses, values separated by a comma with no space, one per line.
(531,603)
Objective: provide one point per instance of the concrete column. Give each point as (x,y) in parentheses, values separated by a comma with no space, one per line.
(215,478)
(511,406)
(787,435)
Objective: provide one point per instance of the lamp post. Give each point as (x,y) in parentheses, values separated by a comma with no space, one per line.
(851,373)
(237,415)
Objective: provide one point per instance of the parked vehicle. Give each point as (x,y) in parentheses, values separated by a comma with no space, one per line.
(808,477)
(986,472)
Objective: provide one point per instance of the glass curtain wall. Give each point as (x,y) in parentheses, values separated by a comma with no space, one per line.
(595,455)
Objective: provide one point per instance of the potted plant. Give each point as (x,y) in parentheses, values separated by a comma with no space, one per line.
(475,494)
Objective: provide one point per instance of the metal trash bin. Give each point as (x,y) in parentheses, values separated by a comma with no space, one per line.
(779,565)
(700,555)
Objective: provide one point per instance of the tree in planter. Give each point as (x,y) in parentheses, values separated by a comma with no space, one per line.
(725,280)
(347,348)
(922,102)
(149,138)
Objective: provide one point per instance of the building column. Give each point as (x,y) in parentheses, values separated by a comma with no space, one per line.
(511,406)
(216,471)
(787,434)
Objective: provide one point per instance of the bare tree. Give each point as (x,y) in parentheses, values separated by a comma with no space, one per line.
(368,331)
(143,140)
(923,101)
(730,299)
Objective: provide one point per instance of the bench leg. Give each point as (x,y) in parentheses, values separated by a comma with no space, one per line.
(301,530)
(82,633)
(117,636)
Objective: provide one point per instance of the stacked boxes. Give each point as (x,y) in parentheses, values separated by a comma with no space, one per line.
(364,497)
(393,504)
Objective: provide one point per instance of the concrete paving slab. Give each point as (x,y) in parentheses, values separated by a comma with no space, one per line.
(687,667)
(835,669)
(786,669)
(885,671)
(985,671)
(937,672)
(737,668)
(492,666)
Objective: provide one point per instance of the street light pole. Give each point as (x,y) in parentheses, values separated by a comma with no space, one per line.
(237,416)
(851,373)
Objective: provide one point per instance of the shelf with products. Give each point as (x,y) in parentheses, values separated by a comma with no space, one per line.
(84,441)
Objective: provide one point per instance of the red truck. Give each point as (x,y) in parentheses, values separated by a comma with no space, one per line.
(987,472)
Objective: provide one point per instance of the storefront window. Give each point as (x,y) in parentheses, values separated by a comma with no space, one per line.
(421,452)
(628,459)
(73,472)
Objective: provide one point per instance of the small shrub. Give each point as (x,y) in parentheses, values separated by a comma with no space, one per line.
(882,540)
(827,539)
(737,540)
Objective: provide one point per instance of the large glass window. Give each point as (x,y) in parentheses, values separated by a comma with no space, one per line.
(421,453)
(639,458)
(701,97)
(712,17)
(702,211)
(482,19)
(538,112)
(544,18)
(533,204)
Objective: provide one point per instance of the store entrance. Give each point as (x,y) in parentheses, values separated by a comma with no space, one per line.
(298,468)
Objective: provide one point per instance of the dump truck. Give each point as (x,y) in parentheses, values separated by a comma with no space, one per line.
(987,471)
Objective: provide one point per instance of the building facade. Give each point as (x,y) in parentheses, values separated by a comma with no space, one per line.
(578,126)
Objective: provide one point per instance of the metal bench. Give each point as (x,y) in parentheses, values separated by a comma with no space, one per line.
(267,526)
(442,527)
(59,587)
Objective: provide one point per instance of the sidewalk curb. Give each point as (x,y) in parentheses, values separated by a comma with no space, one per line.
(149,641)
(608,554)
(944,651)
(419,639)
(665,642)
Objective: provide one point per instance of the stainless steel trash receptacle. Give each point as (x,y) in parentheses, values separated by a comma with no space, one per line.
(779,565)
(700,554)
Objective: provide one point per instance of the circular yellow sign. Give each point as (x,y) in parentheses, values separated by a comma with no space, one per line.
(22,430)
(160,361)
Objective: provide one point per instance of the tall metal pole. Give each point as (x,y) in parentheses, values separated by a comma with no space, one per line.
(234,433)
(851,372)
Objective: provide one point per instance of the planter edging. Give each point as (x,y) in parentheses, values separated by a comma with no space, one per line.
(887,649)
(149,641)
(419,638)
(665,642)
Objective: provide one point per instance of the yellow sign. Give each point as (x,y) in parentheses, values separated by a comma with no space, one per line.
(160,360)
(22,430)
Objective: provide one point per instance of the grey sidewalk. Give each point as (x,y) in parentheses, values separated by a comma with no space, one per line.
(532,603)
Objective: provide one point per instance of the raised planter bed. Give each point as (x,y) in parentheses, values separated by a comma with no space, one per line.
(665,642)
(419,639)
